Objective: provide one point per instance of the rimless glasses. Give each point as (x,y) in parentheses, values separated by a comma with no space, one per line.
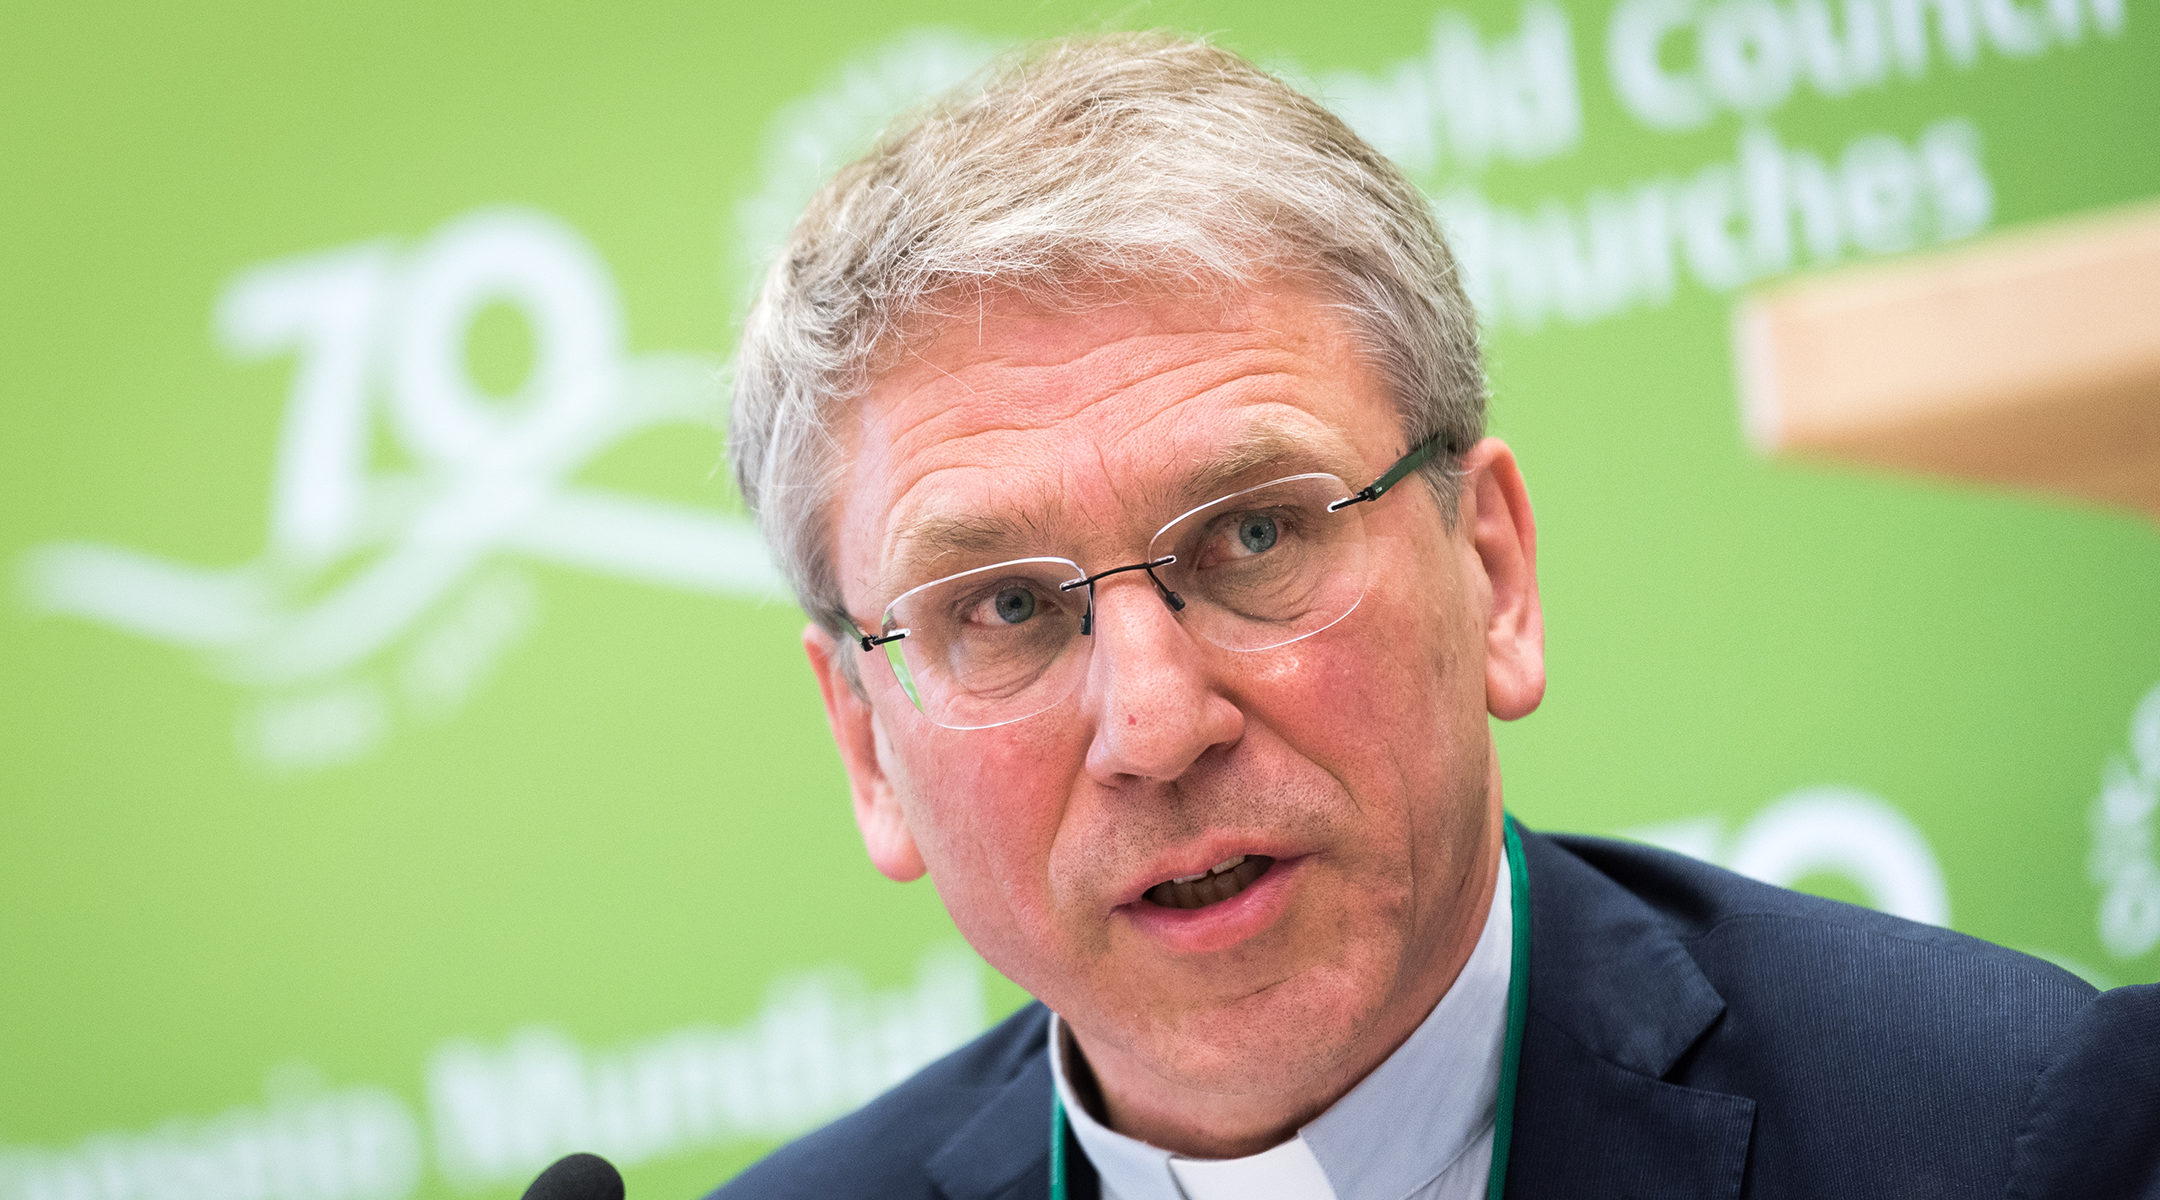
(1254,570)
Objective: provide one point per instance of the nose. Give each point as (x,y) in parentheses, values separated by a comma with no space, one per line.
(1151,689)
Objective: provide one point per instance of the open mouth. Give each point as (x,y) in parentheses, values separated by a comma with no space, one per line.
(1213,886)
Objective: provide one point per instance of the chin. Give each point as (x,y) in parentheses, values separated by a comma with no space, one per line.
(1284,1037)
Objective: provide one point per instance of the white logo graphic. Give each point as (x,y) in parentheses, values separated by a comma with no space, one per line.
(303,1141)
(2123,853)
(406,581)
(1824,831)
(496,1111)
(821,1044)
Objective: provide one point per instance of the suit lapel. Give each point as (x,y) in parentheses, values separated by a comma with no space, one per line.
(1615,1002)
(1004,1152)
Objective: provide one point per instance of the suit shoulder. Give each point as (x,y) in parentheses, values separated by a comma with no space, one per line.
(880,1149)
(1753,939)
(1882,1056)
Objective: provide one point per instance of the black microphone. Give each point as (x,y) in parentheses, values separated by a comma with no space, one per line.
(578,1176)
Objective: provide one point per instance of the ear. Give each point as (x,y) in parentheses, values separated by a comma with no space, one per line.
(1503,534)
(855,729)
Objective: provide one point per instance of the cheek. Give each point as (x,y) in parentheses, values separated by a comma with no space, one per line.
(985,807)
(1390,703)
(1384,683)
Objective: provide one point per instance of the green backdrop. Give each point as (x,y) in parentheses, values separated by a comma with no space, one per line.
(407,770)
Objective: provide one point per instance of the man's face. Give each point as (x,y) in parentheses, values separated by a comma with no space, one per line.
(1357,759)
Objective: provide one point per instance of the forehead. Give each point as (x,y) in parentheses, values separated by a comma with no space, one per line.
(1030,431)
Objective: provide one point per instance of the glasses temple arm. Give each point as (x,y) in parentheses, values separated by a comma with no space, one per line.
(1419,455)
(856,635)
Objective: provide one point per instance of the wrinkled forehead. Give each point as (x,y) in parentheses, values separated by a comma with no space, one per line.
(1024,519)
(1031,431)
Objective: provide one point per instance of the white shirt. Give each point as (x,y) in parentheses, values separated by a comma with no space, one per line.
(1419,1127)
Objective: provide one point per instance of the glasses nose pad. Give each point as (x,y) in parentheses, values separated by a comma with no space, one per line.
(1087,615)
(1175,601)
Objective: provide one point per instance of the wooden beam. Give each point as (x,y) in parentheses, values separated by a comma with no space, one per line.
(2029,360)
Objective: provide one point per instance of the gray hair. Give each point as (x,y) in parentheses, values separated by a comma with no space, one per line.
(1081,169)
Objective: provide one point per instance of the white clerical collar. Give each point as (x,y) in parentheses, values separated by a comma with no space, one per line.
(1420,1125)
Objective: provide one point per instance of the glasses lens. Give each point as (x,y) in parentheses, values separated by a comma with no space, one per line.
(1268,565)
(990,645)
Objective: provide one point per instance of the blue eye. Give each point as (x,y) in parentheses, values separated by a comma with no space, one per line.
(1257,532)
(1014,605)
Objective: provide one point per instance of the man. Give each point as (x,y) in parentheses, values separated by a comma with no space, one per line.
(1121,429)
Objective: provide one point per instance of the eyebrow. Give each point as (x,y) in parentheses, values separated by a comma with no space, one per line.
(1262,449)
(1265,448)
(936,536)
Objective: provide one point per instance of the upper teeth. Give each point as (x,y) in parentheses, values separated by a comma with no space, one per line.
(1217,869)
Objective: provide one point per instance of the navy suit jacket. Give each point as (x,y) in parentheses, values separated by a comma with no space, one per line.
(1691,1034)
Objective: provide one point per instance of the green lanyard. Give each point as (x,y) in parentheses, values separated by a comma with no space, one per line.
(1518,1009)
